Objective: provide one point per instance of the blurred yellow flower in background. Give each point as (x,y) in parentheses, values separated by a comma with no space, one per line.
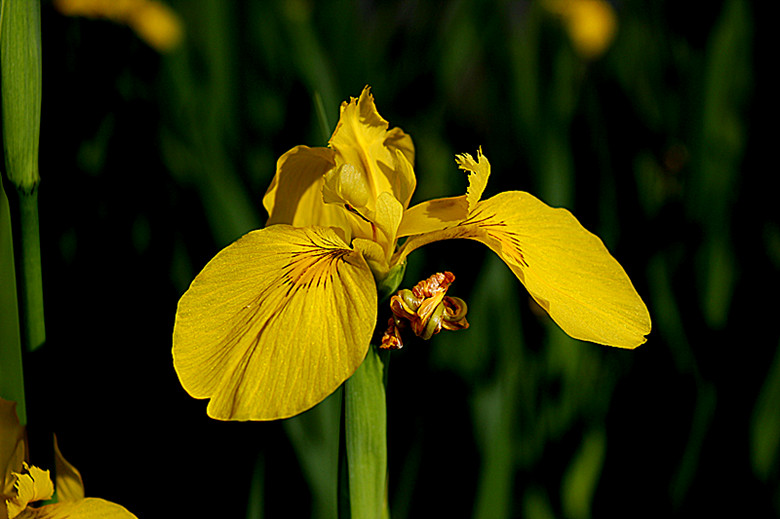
(591,24)
(155,22)
(276,321)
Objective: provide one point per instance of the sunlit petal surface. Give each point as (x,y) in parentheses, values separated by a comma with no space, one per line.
(434,215)
(274,323)
(566,269)
(295,194)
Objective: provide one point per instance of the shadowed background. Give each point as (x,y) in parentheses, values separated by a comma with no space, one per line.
(152,163)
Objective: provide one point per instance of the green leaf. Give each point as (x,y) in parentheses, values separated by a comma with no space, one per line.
(765,424)
(579,482)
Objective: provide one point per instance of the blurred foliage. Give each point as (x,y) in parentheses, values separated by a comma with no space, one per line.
(151,163)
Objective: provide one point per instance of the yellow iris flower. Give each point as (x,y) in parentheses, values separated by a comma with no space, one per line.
(279,319)
(22,484)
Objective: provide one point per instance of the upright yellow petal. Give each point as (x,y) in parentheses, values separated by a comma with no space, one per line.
(566,269)
(389,212)
(404,181)
(361,139)
(397,140)
(70,486)
(295,194)
(347,186)
(274,323)
(479,173)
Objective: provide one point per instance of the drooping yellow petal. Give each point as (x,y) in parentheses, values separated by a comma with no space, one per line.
(295,194)
(33,484)
(274,323)
(361,139)
(566,269)
(70,486)
(89,508)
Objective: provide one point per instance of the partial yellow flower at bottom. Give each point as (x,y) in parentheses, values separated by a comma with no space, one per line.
(276,321)
(23,484)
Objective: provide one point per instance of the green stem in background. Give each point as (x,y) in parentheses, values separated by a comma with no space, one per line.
(20,58)
(31,276)
(322,117)
(11,374)
(363,464)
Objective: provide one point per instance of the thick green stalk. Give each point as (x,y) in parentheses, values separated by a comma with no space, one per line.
(20,58)
(364,467)
(11,373)
(31,275)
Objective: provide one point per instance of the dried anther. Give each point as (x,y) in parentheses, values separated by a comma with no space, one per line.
(426,309)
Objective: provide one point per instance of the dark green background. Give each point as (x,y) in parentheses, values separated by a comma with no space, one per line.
(664,147)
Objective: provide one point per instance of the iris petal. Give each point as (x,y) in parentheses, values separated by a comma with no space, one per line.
(478,172)
(566,269)
(295,194)
(33,484)
(361,138)
(69,484)
(274,323)
(435,215)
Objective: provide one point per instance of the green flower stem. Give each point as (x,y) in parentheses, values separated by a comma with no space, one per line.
(363,466)
(20,59)
(34,330)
